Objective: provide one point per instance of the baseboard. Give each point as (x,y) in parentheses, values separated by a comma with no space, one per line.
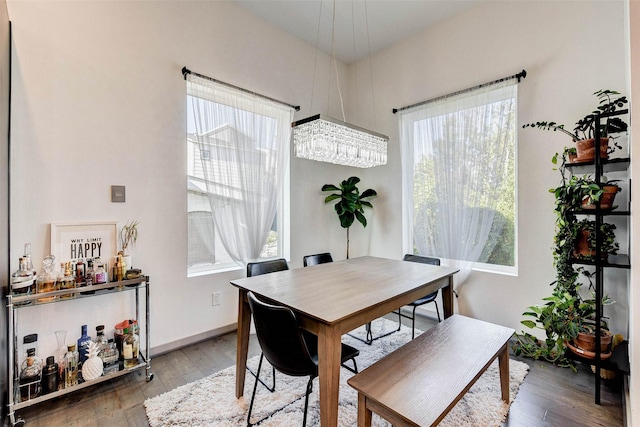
(175,345)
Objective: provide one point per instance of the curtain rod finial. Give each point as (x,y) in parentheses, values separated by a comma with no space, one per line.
(521,75)
(185,71)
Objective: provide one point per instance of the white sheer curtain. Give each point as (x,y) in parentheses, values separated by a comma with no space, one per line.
(456,157)
(244,154)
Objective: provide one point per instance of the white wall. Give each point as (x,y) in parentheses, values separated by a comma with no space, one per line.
(99,100)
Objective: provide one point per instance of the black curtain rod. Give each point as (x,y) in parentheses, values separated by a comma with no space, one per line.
(521,75)
(186,71)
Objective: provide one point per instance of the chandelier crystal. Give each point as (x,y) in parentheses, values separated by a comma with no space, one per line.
(326,139)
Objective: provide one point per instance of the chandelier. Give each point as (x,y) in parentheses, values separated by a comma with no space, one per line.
(325,139)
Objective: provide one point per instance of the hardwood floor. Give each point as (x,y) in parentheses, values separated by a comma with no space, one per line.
(549,396)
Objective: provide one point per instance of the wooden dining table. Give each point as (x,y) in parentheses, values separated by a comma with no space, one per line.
(334,298)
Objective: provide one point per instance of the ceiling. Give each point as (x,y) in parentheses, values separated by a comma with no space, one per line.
(388,21)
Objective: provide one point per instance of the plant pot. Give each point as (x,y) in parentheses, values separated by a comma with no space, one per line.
(585,353)
(586,151)
(606,200)
(583,251)
(587,341)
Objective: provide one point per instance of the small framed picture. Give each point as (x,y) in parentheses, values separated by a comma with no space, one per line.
(81,241)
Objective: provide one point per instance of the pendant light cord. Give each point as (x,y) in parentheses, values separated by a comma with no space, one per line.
(333,56)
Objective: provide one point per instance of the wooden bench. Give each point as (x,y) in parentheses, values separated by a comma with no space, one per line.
(419,383)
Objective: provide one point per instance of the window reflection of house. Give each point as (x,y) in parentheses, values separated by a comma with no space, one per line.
(217,162)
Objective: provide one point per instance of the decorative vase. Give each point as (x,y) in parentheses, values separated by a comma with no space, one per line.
(586,149)
(92,367)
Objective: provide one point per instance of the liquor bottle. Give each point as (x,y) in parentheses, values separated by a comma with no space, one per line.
(83,345)
(110,358)
(101,340)
(99,274)
(67,281)
(130,348)
(71,366)
(46,281)
(30,378)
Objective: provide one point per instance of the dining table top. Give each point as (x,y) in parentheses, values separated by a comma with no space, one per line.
(332,292)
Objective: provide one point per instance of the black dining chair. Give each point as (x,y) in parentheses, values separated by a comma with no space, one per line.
(288,348)
(315,259)
(270,266)
(256,269)
(422,301)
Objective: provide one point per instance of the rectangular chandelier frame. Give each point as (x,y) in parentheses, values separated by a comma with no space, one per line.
(325,139)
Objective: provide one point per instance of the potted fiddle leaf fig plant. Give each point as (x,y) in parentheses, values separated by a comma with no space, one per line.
(350,203)
(583,133)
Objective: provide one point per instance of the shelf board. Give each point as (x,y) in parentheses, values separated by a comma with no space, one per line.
(85,384)
(608,165)
(614,261)
(619,360)
(19,300)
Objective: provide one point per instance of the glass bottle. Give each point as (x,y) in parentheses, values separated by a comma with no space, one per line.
(83,345)
(61,351)
(88,277)
(23,281)
(27,256)
(130,348)
(99,274)
(67,281)
(46,281)
(71,366)
(110,358)
(50,376)
(30,378)
(101,340)
(30,348)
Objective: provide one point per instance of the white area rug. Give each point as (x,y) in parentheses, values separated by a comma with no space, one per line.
(211,401)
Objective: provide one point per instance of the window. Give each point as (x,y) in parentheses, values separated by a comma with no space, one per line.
(237,177)
(459,176)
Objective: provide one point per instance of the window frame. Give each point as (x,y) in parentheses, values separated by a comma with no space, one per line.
(282,219)
(408,231)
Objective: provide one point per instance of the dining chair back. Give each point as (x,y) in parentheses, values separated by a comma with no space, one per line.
(269,266)
(283,345)
(315,259)
(422,301)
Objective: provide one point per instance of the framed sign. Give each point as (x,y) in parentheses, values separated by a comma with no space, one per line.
(81,241)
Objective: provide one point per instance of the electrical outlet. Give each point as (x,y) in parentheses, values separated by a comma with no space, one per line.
(215,298)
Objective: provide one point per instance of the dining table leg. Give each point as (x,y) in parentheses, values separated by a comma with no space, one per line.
(447,298)
(329,349)
(242,349)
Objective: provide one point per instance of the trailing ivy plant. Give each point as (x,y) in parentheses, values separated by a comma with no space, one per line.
(350,203)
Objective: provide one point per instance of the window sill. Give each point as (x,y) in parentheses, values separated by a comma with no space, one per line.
(206,270)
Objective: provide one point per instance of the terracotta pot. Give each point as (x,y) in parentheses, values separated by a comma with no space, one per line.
(573,158)
(581,247)
(606,200)
(586,151)
(587,341)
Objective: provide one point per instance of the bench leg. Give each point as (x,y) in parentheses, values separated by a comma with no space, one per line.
(364,414)
(503,361)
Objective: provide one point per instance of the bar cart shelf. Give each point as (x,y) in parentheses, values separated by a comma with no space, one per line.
(16,302)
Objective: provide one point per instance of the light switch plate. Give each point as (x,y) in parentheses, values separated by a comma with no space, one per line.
(118,193)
